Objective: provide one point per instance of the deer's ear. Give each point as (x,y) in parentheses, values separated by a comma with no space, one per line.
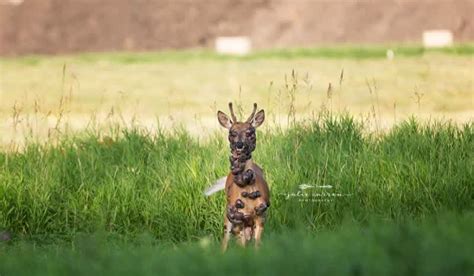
(258,119)
(224,120)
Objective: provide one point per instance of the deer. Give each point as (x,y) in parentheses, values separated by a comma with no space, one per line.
(247,192)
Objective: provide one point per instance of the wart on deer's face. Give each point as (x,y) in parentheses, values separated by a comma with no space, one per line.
(242,134)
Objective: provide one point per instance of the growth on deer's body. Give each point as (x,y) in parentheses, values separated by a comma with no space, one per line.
(247,191)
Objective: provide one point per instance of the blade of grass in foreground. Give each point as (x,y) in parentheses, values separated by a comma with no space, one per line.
(441,246)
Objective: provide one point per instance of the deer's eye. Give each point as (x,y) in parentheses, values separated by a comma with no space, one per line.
(232,134)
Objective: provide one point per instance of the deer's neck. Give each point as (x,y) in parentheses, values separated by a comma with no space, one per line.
(240,164)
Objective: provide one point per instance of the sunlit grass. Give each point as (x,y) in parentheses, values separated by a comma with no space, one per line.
(188,87)
(134,181)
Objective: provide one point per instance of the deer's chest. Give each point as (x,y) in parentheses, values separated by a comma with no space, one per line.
(245,199)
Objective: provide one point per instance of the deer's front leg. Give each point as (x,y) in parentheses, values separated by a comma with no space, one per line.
(260,222)
(227,233)
(259,225)
(248,233)
(242,237)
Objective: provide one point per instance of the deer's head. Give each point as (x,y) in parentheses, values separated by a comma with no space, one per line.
(242,136)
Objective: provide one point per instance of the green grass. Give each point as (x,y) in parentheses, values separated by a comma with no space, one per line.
(133,181)
(399,201)
(441,246)
(127,201)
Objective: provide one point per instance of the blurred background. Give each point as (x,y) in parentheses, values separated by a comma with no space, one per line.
(65,26)
(65,63)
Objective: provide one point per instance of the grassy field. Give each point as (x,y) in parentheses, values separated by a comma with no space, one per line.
(137,182)
(435,247)
(136,185)
(88,194)
(40,93)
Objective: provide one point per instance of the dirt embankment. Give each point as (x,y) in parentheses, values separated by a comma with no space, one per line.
(63,26)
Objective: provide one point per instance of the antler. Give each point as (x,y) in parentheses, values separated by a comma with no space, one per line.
(234,119)
(253,113)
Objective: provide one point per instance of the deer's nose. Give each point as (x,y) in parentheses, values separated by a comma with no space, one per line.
(239,145)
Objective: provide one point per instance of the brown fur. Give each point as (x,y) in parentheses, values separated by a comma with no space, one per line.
(247,201)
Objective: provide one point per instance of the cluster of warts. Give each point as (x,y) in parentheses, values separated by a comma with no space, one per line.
(243,178)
